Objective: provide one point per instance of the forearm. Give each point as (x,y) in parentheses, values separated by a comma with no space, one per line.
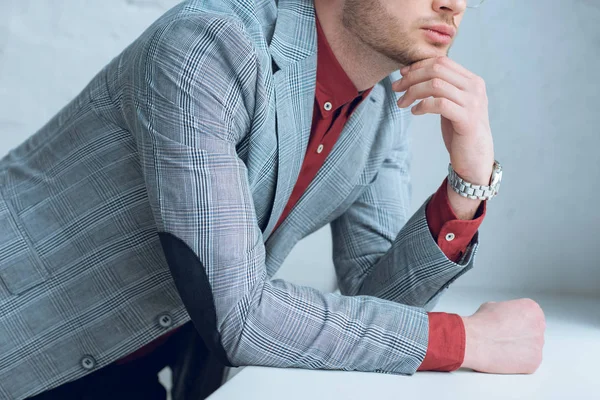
(289,326)
(414,269)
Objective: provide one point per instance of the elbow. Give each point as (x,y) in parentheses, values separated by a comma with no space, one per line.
(237,339)
(196,294)
(221,328)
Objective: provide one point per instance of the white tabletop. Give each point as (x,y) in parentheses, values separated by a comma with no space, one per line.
(570,370)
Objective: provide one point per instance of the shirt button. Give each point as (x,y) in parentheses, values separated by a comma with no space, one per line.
(450,237)
(320,149)
(88,362)
(165,321)
(327,106)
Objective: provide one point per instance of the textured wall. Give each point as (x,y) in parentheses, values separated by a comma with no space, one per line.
(540,60)
(49,49)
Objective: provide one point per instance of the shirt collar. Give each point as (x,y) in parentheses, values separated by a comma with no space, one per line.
(333,84)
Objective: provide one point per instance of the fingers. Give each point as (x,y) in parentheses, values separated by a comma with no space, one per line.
(439,77)
(435,87)
(440,106)
(429,72)
(444,61)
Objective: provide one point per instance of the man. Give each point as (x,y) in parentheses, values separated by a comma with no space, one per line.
(173,187)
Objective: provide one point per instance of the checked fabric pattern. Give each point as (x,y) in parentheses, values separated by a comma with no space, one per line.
(189,134)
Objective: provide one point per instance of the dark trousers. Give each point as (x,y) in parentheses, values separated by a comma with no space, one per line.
(196,374)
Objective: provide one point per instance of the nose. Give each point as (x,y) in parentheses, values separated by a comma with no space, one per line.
(452,7)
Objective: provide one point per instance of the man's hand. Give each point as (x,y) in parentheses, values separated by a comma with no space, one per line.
(460,97)
(505,337)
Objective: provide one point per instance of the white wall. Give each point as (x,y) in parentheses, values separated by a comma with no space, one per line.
(540,59)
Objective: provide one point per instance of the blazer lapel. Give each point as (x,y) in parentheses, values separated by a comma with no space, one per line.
(335,181)
(293,48)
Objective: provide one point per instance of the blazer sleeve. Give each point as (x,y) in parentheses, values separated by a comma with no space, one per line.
(195,102)
(379,251)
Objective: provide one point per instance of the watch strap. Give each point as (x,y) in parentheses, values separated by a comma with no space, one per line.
(469,190)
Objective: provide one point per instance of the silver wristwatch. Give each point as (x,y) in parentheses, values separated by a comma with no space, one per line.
(476,192)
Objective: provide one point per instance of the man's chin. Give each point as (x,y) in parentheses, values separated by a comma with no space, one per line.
(427,53)
(423,51)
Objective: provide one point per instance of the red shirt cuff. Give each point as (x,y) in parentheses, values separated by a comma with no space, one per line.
(444,224)
(447,342)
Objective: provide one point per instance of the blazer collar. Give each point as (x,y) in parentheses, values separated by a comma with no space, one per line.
(294,50)
(295,35)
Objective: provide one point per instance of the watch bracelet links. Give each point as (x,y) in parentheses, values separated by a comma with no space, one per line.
(465,189)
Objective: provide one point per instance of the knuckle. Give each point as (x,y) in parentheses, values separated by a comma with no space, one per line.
(540,346)
(445,105)
(436,68)
(541,324)
(538,359)
(537,330)
(440,103)
(415,66)
(480,85)
(437,83)
(530,303)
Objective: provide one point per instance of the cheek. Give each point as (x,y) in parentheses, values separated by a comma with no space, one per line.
(401,13)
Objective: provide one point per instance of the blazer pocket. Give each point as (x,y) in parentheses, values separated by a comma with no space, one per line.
(20,266)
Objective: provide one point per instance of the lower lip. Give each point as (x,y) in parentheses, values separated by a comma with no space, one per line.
(437,37)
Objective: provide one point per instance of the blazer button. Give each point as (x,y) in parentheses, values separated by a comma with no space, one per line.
(165,321)
(88,362)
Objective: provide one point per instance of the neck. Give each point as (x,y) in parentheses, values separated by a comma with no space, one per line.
(364,66)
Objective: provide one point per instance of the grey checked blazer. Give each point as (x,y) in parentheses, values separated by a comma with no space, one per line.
(151,199)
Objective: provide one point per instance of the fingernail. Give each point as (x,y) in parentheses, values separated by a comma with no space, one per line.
(404,70)
(400,100)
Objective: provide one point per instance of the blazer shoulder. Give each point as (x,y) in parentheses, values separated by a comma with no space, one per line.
(245,19)
(209,26)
